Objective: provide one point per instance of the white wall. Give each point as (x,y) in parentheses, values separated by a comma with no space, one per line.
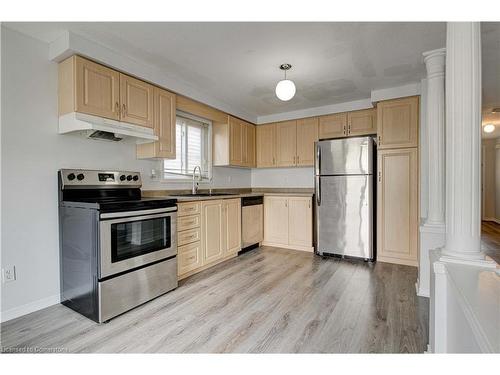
(32,152)
(283,177)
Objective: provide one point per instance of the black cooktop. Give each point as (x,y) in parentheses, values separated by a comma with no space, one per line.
(117,200)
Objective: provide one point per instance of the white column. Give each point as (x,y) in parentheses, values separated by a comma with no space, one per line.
(435,63)
(432,230)
(463,140)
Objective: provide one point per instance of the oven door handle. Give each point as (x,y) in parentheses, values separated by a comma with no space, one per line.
(133,214)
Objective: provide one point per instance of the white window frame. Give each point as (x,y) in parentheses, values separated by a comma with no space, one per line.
(188,178)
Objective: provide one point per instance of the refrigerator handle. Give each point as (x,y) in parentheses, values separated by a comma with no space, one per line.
(318,190)
(318,159)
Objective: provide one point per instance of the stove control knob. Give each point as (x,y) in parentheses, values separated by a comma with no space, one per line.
(136,178)
(122,177)
(80,177)
(129,177)
(71,176)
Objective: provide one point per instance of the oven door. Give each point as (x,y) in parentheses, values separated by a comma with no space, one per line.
(133,239)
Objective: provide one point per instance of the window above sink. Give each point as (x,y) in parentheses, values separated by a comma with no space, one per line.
(193,148)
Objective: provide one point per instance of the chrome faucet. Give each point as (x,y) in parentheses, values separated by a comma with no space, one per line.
(194,189)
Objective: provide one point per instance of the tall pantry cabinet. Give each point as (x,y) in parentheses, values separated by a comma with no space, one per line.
(398,181)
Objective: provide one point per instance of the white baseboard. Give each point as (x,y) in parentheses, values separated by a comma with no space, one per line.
(16,312)
(421,292)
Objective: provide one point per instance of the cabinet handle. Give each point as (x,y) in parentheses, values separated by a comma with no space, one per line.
(379,140)
(379,176)
(344,130)
(297,160)
(309,203)
(286,203)
(117,105)
(124,109)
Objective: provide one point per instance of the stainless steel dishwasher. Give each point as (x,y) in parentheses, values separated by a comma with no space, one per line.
(252,222)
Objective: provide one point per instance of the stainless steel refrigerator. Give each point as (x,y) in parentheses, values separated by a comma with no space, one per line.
(344,204)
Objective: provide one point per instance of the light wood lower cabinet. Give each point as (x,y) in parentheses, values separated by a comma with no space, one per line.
(288,222)
(232,225)
(212,230)
(397,206)
(209,232)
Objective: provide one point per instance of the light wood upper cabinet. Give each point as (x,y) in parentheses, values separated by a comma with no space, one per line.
(286,143)
(397,206)
(333,126)
(212,230)
(300,221)
(164,128)
(362,122)
(136,98)
(87,87)
(235,141)
(307,134)
(250,149)
(397,123)
(232,225)
(266,145)
(276,220)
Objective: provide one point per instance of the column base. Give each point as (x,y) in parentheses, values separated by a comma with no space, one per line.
(432,236)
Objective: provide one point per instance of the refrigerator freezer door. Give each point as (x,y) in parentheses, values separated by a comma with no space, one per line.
(344,216)
(344,156)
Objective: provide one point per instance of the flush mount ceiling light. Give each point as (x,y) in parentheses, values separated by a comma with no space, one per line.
(489,128)
(285,89)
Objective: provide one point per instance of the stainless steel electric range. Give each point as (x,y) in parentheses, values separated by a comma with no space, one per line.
(117,249)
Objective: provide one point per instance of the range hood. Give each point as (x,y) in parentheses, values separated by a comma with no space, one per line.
(94,127)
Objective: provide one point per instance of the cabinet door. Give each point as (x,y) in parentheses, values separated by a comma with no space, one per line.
(251,145)
(307,134)
(333,126)
(164,128)
(362,122)
(97,89)
(235,138)
(300,221)
(397,206)
(245,162)
(286,143)
(212,231)
(397,123)
(276,220)
(266,141)
(232,225)
(189,258)
(136,98)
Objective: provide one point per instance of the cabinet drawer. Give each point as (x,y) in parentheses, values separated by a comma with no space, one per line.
(190,208)
(188,222)
(188,236)
(189,258)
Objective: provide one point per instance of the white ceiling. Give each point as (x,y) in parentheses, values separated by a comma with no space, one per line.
(237,63)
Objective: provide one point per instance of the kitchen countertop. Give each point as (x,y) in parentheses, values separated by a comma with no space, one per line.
(184,198)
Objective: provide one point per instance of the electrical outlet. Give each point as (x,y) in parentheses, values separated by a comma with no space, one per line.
(9,274)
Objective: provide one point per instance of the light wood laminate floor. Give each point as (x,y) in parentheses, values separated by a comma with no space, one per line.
(267,300)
